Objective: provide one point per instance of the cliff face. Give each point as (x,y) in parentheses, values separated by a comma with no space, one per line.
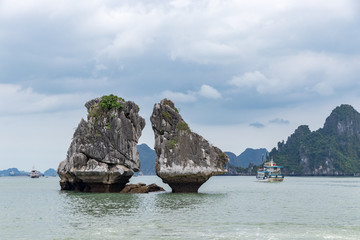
(344,123)
(103,153)
(333,150)
(185,160)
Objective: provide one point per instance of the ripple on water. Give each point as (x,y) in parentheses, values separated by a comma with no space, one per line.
(225,208)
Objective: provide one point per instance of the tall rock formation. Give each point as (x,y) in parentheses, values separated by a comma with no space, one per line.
(103,153)
(333,150)
(184,159)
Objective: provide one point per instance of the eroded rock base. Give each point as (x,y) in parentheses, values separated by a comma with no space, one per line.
(141,188)
(181,187)
(92,187)
(110,188)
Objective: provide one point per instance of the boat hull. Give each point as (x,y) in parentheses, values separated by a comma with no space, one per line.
(280,179)
(276,179)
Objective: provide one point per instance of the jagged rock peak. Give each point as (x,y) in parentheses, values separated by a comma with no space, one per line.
(343,120)
(184,159)
(103,153)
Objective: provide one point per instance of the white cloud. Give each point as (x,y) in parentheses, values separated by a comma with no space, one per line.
(100,67)
(239,31)
(205,91)
(323,88)
(179,96)
(180,3)
(199,31)
(313,71)
(14,99)
(306,72)
(254,79)
(209,92)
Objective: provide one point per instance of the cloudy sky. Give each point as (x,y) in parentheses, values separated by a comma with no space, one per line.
(243,73)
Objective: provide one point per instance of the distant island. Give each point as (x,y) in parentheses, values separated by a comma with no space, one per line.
(13,172)
(147,160)
(333,150)
(245,163)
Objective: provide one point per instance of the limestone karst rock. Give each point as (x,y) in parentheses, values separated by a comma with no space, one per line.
(103,153)
(142,188)
(185,160)
(333,150)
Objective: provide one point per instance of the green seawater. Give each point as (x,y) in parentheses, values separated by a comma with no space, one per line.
(225,208)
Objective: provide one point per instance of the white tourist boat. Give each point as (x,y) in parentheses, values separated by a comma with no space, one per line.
(34,174)
(270,172)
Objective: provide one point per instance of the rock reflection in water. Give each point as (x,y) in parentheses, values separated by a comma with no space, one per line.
(179,201)
(100,205)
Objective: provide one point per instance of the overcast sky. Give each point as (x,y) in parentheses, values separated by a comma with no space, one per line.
(243,73)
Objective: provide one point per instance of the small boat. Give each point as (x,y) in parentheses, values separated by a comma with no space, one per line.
(270,172)
(34,174)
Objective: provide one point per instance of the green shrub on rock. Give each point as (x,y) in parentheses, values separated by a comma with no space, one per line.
(183,126)
(111,102)
(166,115)
(171,143)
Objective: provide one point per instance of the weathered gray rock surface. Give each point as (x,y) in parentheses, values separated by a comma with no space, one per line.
(103,153)
(185,160)
(142,188)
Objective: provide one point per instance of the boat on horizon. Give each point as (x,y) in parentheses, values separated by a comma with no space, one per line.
(270,172)
(34,174)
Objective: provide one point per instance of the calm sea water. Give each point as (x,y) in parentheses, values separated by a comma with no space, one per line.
(225,208)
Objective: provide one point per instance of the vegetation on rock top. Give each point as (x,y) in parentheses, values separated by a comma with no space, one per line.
(107,103)
(111,102)
(169,103)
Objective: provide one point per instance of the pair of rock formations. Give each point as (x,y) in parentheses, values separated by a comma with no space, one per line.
(103,155)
